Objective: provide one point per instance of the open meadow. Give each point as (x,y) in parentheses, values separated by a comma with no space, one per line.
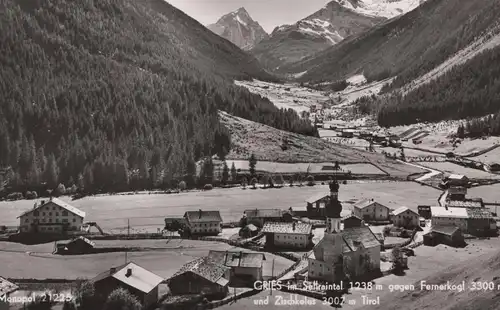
(165,257)
(489,193)
(451,168)
(492,156)
(327,167)
(147,212)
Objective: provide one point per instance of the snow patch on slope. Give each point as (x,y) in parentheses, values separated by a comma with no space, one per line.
(240,20)
(319,27)
(381,8)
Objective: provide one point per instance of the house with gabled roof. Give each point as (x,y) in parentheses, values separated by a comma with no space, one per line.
(208,223)
(80,245)
(405,217)
(371,211)
(316,205)
(260,216)
(201,276)
(288,235)
(139,281)
(449,235)
(51,216)
(246,267)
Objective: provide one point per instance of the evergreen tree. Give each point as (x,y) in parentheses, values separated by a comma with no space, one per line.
(252,162)
(225,173)
(234,173)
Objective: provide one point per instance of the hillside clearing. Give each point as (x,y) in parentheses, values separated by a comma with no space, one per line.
(275,167)
(266,143)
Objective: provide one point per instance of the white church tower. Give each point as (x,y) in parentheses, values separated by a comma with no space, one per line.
(333,235)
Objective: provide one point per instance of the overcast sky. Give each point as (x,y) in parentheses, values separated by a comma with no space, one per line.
(269,13)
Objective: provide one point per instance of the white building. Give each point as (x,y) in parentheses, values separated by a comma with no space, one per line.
(51,215)
(405,217)
(288,235)
(456,217)
(370,210)
(204,222)
(354,251)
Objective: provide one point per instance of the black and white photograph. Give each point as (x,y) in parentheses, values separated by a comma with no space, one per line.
(249,154)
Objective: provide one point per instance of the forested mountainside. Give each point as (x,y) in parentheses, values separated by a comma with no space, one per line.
(468,90)
(117,94)
(407,46)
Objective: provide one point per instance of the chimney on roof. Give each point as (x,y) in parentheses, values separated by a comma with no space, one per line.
(200,213)
(42,202)
(112,270)
(129,272)
(293,226)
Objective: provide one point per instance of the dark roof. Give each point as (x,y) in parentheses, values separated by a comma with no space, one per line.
(264,213)
(363,203)
(445,230)
(7,287)
(356,237)
(205,267)
(140,279)
(203,216)
(237,259)
(317,197)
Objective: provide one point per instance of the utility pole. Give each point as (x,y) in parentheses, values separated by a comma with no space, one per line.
(272,277)
(128,227)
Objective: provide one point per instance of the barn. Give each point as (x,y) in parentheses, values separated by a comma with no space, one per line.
(201,276)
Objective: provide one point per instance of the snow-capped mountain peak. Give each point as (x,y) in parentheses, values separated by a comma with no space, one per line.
(239,28)
(381,8)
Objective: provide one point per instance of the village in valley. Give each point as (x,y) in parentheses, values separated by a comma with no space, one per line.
(270,229)
(322,247)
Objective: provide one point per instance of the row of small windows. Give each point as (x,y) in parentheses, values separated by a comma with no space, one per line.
(207,225)
(64,213)
(286,237)
(50,221)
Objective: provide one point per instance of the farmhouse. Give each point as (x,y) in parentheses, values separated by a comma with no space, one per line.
(449,235)
(288,235)
(246,268)
(7,287)
(371,211)
(259,216)
(455,180)
(474,221)
(80,245)
(457,193)
(354,251)
(455,217)
(201,276)
(138,281)
(352,221)
(404,217)
(207,223)
(51,216)
(316,205)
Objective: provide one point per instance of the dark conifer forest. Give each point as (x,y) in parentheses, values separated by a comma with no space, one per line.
(112,95)
(466,91)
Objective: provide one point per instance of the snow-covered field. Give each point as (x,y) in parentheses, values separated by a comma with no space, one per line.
(286,96)
(382,8)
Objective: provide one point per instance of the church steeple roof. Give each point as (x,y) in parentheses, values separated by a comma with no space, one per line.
(333,207)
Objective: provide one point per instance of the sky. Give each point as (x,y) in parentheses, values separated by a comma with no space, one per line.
(269,13)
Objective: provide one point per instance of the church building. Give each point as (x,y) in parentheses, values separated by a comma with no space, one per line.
(353,251)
